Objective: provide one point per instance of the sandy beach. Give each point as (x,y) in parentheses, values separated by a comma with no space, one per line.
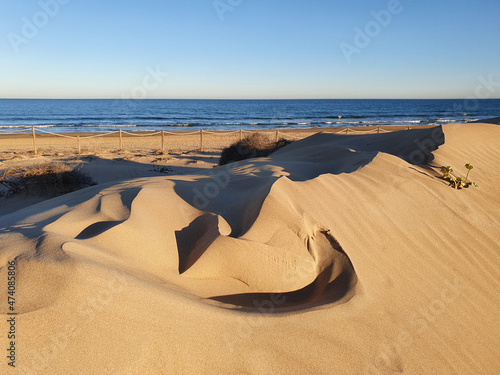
(140,154)
(337,254)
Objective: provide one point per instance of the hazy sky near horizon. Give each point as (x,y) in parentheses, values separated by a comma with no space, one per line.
(249,49)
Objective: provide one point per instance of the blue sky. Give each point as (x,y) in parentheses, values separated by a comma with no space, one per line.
(249,48)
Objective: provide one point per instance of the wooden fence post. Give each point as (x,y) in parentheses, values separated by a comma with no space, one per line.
(277,132)
(378,130)
(241,135)
(121,141)
(79,148)
(162,140)
(34,140)
(201,140)
(346,130)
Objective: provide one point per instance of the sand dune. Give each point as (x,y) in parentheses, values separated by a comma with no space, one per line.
(337,254)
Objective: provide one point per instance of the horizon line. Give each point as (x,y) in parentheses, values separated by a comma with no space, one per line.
(249,98)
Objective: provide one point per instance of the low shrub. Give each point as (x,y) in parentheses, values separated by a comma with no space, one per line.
(253,146)
(49,180)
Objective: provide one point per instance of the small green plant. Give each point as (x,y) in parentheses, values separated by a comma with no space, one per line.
(456,181)
(469,168)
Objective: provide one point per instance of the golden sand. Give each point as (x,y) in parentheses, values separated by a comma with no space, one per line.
(335,255)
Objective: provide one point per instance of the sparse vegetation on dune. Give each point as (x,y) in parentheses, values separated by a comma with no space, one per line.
(458,182)
(253,146)
(51,180)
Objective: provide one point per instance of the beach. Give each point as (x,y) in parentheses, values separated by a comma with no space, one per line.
(53,143)
(337,254)
(106,158)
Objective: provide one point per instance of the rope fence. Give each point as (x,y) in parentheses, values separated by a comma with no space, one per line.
(15,131)
(202,134)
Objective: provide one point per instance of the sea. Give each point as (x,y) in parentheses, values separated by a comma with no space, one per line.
(105,115)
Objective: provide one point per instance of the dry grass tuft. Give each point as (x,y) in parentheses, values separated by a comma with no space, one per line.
(49,180)
(253,146)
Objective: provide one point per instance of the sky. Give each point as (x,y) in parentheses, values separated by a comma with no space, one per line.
(249,49)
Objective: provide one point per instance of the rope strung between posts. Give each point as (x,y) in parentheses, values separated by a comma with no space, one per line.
(14,132)
(258,131)
(75,137)
(201,132)
(56,134)
(221,133)
(98,135)
(192,133)
(343,131)
(141,135)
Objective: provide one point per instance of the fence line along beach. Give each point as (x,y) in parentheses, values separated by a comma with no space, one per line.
(82,126)
(36,139)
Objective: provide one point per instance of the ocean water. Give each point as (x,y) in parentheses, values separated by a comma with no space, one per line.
(96,115)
